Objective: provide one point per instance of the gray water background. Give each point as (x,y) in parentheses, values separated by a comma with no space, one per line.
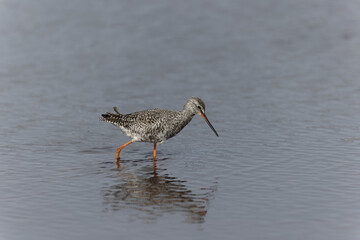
(281,84)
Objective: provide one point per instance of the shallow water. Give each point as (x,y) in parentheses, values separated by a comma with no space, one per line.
(281,87)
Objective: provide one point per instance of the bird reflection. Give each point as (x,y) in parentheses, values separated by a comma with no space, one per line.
(154,193)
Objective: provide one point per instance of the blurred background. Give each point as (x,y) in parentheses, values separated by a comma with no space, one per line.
(280,80)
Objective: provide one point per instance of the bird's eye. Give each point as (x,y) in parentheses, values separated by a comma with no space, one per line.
(199,107)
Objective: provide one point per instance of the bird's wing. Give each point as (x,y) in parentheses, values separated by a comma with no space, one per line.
(144,119)
(147,117)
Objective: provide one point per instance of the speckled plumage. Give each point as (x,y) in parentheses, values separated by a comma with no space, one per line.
(156,125)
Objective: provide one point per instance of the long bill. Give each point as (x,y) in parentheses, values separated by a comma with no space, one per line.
(208,122)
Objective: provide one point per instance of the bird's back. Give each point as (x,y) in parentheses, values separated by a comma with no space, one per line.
(153,125)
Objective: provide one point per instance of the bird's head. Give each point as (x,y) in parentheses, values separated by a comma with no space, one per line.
(197,106)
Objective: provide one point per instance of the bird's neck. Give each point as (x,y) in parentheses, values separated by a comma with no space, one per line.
(187,115)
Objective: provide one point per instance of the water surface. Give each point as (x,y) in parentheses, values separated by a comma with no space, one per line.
(280,80)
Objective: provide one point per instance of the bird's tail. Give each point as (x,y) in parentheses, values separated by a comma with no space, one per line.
(111,117)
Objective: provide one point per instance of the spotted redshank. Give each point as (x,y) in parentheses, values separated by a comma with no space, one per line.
(155,125)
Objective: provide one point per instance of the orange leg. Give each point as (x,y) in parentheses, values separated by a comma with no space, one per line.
(154,155)
(119,149)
